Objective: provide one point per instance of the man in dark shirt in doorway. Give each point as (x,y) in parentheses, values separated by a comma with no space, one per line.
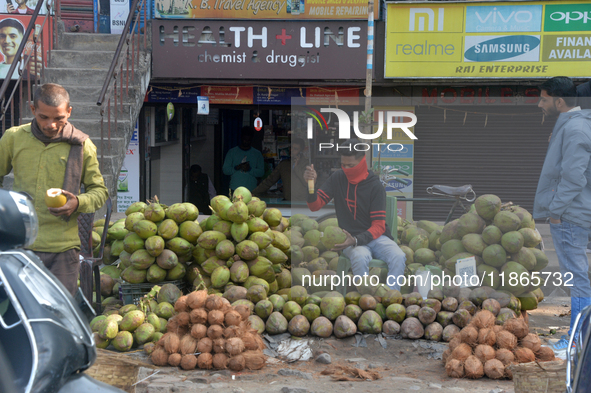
(199,190)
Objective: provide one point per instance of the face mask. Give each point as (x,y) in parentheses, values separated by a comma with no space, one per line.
(357,173)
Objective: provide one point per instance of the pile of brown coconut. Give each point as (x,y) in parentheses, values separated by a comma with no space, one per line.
(483,348)
(208,333)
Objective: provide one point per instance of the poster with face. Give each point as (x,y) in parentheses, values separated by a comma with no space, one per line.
(22,7)
(12,30)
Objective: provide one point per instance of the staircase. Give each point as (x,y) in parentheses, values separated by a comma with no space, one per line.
(80,65)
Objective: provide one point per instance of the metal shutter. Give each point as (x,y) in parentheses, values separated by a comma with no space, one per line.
(504,157)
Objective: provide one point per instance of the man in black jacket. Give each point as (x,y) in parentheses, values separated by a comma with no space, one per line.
(360,205)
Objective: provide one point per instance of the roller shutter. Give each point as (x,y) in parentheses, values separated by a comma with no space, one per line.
(504,157)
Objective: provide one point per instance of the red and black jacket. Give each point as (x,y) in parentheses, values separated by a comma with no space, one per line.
(360,208)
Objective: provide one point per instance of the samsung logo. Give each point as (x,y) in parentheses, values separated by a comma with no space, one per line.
(502,48)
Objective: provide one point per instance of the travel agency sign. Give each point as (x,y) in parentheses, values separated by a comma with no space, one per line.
(494,40)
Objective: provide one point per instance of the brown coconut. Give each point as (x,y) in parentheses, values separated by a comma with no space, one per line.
(174,359)
(235,346)
(516,326)
(531,341)
(461,352)
(219,345)
(506,340)
(183,318)
(172,343)
(487,337)
(505,356)
(484,353)
(445,356)
(249,342)
(545,354)
(198,315)
(181,304)
(484,319)
(205,361)
(454,368)
(189,362)
(213,302)
(455,342)
(244,311)
(237,363)
(220,361)
(232,318)
(232,331)
(497,329)
(172,325)
(188,345)
(199,331)
(205,345)
(524,355)
(160,357)
(469,335)
(215,331)
(494,369)
(255,360)
(473,368)
(196,299)
(215,317)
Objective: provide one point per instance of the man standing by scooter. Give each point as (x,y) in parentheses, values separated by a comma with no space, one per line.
(49,153)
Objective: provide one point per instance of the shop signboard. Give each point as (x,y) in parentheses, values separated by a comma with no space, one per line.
(259,49)
(276,95)
(128,184)
(527,39)
(261,9)
(174,94)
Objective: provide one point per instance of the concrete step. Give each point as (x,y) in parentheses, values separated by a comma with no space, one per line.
(91,111)
(90,41)
(71,76)
(81,59)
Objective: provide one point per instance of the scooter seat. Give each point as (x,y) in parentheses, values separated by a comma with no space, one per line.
(453,191)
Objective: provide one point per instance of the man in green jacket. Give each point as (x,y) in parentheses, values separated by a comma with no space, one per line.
(49,153)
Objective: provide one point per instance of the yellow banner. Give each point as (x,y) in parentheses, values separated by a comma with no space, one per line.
(482,40)
(262,9)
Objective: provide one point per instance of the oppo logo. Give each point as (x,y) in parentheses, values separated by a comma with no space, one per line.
(567,17)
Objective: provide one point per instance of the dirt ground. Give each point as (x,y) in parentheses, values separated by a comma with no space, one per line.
(405,365)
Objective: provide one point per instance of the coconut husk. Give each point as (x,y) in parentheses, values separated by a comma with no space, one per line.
(255,360)
(517,327)
(232,318)
(188,344)
(215,331)
(198,315)
(494,369)
(345,373)
(508,372)
(469,335)
(181,304)
(220,361)
(174,359)
(205,345)
(172,326)
(506,356)
(506,340)
(531,341)
(237,363)
(199,331)
(484,319)
(244,311)
(160,357)
(455,342)
(196,299)
(235,346)
(219,345)
(213,302)
(545,354)
(473,368)
(484,353)
(232,331)
(497,329)
(205,361)
(183,318)
(487,337)
(445,356)
(215,317)
(454,368)
(461,352)
(249,342)
(172,343)
(189,362)
(524,355)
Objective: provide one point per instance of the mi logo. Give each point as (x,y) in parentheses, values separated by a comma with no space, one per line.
(429,13)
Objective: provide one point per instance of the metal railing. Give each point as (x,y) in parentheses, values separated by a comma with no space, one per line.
(115,81)
(30,60)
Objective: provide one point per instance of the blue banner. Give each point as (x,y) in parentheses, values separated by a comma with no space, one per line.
(174,94)
(277,95)
(503,18)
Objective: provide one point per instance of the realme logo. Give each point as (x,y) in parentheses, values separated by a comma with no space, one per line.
(430,15)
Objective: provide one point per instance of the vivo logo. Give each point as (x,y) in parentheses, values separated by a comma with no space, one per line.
(430,15)
(518,17)
(503,18)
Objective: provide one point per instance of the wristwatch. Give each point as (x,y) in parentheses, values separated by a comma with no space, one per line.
(355,237)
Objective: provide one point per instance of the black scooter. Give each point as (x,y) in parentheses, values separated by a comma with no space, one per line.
(45,338)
